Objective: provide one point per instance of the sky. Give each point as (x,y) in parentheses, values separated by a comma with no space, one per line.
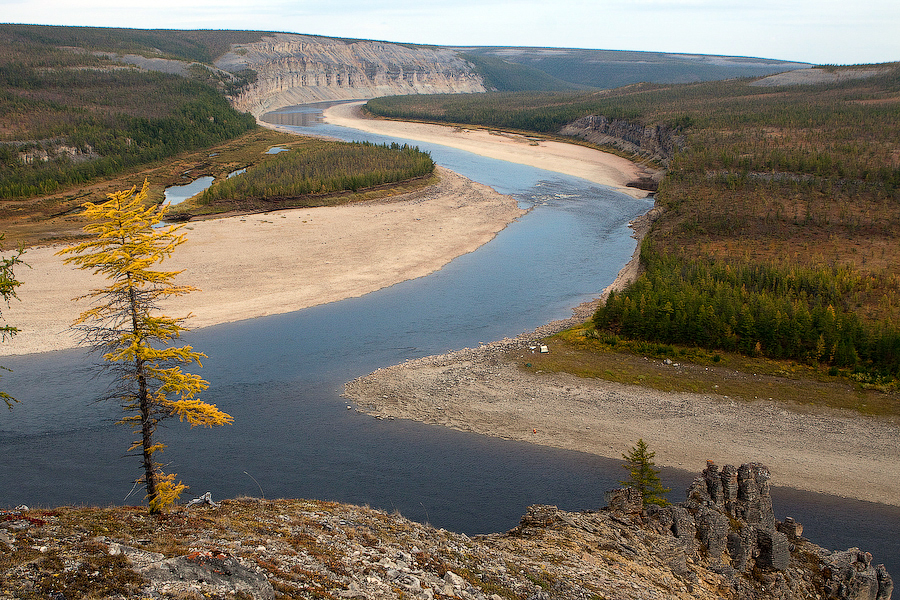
(814,31)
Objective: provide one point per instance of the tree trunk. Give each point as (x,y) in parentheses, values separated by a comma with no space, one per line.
(147,425)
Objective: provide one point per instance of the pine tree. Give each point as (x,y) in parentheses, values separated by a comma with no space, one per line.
(8,285)
(136,345)
(643,475)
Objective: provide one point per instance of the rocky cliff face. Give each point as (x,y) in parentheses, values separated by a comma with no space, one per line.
(655,142)
(728,525)
(297,69)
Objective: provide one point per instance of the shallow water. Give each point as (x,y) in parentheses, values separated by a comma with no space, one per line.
(281,377)
(176,194)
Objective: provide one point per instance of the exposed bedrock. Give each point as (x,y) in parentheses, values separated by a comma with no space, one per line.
(727,523)
(656,142)
(297,69)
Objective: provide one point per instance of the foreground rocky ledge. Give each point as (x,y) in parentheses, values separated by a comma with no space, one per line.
(722,542)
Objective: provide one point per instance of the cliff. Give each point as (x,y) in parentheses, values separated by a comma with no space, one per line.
(297,69)
(655,142)
(722,542)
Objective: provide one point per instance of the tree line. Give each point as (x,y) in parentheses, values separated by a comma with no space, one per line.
(777,311)
(323,167)
(75,143)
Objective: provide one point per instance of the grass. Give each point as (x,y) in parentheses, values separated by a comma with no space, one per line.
(732,376)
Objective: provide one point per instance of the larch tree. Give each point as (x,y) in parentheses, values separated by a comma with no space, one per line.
(8,285)
(643,475)
(136,343)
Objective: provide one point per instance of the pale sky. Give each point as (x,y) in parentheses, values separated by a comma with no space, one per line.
(816,31)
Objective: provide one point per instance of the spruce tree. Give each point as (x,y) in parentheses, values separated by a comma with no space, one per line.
(643,475)
(135,342)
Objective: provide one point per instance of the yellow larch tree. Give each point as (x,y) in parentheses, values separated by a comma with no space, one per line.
(136,343)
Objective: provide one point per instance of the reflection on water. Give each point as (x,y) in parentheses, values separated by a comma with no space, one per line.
(307,115)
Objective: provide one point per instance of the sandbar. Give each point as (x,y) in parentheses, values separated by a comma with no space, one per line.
(271,263)
(560,157)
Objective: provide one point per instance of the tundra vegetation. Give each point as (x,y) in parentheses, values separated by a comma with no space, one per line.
(781,211)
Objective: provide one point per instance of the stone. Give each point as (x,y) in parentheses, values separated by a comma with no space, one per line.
(455,580)
(713,483)
(712,529)
(790,528)
(539,515)
(850,575)
(625,501)
(210,572)
(729,483)
(774,550)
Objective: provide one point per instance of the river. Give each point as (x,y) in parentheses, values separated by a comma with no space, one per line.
(293,436)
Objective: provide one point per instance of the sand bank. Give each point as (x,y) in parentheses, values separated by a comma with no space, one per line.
(570,159)
(482,390)
(479,390)
(278,262)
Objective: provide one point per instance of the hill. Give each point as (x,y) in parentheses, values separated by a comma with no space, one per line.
(721,543)
(607,69)
(84,105)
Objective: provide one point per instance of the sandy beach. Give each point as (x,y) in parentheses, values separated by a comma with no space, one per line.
(570,159)
(277,262)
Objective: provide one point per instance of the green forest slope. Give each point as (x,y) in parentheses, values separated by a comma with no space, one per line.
(781,222)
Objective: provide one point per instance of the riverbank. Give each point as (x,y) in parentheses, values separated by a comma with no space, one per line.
(483,390)
(570,159)
(257,265)
(271,263)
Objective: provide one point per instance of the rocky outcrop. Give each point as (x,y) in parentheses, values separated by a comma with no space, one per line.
(298,69)
(728,525)
(723,542)
(655,142)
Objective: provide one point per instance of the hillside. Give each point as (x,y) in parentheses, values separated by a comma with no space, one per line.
(607,69)
(83,107)
(721,543)
(70,115)
(776,224)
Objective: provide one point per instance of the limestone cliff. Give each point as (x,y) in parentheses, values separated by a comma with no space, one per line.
(298,69)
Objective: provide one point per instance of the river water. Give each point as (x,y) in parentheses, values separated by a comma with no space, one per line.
(293,436)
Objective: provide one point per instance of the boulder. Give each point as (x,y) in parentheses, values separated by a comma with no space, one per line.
(212,572)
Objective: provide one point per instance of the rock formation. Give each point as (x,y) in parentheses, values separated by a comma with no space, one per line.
(728,524)
(298,69)
(656,142)
(723,542)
